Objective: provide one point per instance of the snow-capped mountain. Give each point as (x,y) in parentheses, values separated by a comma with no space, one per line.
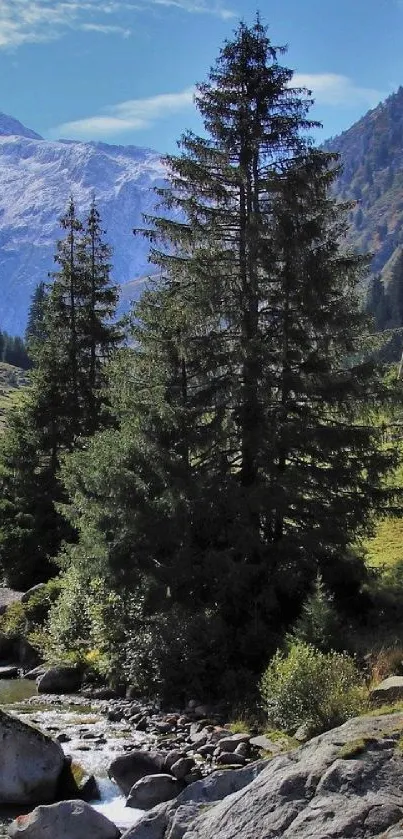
(37,177)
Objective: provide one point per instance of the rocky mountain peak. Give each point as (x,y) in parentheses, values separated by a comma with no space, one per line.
(9,127)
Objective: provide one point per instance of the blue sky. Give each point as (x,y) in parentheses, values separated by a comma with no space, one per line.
(122,71)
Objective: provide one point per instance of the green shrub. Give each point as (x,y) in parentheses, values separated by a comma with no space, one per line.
(68,624)
(38,606)
(309,686)
(26,619)
(14,621)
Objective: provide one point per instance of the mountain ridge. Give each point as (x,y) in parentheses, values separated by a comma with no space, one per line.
(38,176)
(371,153)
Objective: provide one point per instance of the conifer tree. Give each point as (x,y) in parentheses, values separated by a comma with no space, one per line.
(35,324)
(265,313)
(99,333)
(74,335)
(243,464)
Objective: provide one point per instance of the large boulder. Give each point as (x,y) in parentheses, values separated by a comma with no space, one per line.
(390,690)
(60,679)
(229,744)
(66,820)
(346,783)
(152,790)
(159,822)
(30,763)
(127,769)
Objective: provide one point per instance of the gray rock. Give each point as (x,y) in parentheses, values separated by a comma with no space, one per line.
(66,820)
(171,758)
(265,744)
(127,769)
(9,672)
(195,729)
(154,824)
(77,785)
(207,750)
(30,763)
(194,775)
(182,767)
(346,783)
(389,690)
(182,818)
(201,711)
(151,826)
(394,832)
(153,790)
(229,744)
(199,739)
(36,673)
(60,679)
(242,749)
(230,759)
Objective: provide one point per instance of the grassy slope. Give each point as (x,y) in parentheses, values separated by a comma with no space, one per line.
(12,382)
(385,549)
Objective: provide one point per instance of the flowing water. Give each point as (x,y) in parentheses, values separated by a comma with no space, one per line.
(93,741)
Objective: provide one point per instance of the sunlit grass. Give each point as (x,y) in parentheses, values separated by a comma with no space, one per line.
(385,549)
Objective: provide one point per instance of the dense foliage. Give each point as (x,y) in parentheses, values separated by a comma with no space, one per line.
(308,687)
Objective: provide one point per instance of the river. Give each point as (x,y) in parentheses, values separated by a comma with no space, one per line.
(91,740)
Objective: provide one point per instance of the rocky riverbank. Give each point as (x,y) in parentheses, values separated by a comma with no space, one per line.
(346,784)
(150,756)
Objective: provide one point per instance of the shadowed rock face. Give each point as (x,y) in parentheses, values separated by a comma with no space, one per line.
(345,784)
(30,763)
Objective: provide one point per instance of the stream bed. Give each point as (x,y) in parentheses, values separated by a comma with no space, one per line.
(84,733)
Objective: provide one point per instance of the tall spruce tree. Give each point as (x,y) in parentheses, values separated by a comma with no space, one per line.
(65,403)
(269,322)
(243,464)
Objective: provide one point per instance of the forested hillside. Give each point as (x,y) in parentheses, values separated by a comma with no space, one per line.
(372,175)
(371,153)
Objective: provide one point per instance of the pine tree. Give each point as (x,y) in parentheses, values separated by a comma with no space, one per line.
(243,463)
(265,314)
(31,528)
(72,335)
(98,300)
(35,325)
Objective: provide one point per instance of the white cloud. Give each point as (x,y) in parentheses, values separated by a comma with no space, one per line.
(30,21)
(106,29)
(131,115)
(335,89)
